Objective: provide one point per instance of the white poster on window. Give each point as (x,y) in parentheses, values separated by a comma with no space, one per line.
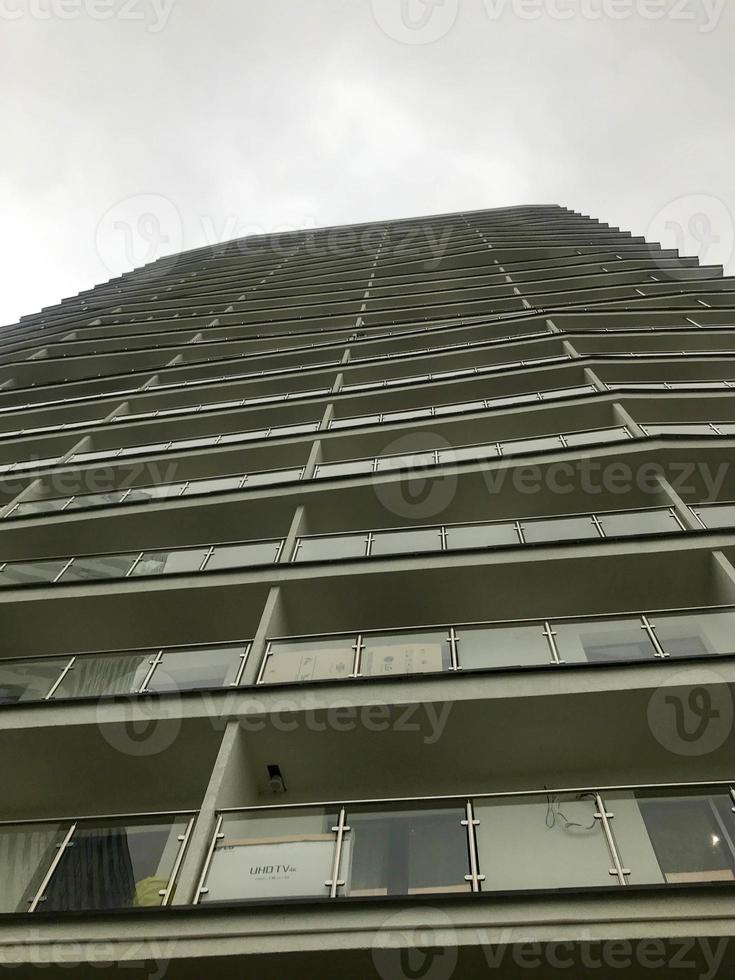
(316,665)
(279,867)
(403,658)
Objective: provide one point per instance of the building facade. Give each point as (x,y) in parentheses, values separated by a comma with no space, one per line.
(368,610)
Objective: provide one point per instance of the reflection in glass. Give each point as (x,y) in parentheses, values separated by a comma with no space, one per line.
(26,853)
(405,653)
(114,866)
(203,667)
(603,641)
(348,468)
(698,634)
(406,541)
(481,536)
(29,680)
(642,522)
(213,486)
(531,445)
(243,555)
(170,562)
(32,572)
(331,547)
(560,831)
(560,529)
(98,567)
(271,856)
(720,515)
(417,851)
(595,437)
(309,660)
(105,675)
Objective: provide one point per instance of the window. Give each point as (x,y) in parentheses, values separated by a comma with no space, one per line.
(603,641)
(502,646)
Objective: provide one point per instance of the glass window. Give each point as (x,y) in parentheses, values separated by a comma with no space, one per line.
(406,541)
(416,851)
(481,536)
(349,467)
(697,634)
(26,853)
(242,555)
(405,653)
(531,445)
(29,680)
(595,437)
(677,839)
(331,547)
(202,667)
(561,832)
(603,641)
(113,865)
(170,562)
(273,855)
(560,529)
(105,675)
(98,567)
(309,660)
(721,515)
(32,572)
(639,522)
(481,647)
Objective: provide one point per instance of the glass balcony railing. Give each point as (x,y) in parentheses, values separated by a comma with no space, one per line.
(85,568)
(476,453)
(637,637)
(580,840)
(119,673)
(458,408)
(487,534)
(715,516)
(689,429)
(450,375)
(92,864)
(671,386)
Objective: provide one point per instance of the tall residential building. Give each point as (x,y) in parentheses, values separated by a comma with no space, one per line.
(367,600)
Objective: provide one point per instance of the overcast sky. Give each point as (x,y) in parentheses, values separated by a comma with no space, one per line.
(135,127)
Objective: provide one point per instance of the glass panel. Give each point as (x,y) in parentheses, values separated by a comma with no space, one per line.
(348,468)
(683,428)
(726,428)
(603,641)
(333,546)
(157,447)
(96,500)
(641,522)
(481,536)
(406,542)
(560,529)
(192,443)
(103,566)
(417,851)
(310,660)
(597,436)
(243,436)
(105,675)
(408,414)
(89,456)
(190,670)
(677,839)
(273,855)
(274,476)
(477,406)
(531,445)
(112,866)
(512,400)
(213,486)
(29,680)
(405,653)
(566,392)
(461,453)
(242,555)
(697,385)
(289,430)
(502,646)
(354,420)
(26,853)
(412,461)
(32,572)
(696,634)
(170,562)
(40,507)
(722,515)
(560,831)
